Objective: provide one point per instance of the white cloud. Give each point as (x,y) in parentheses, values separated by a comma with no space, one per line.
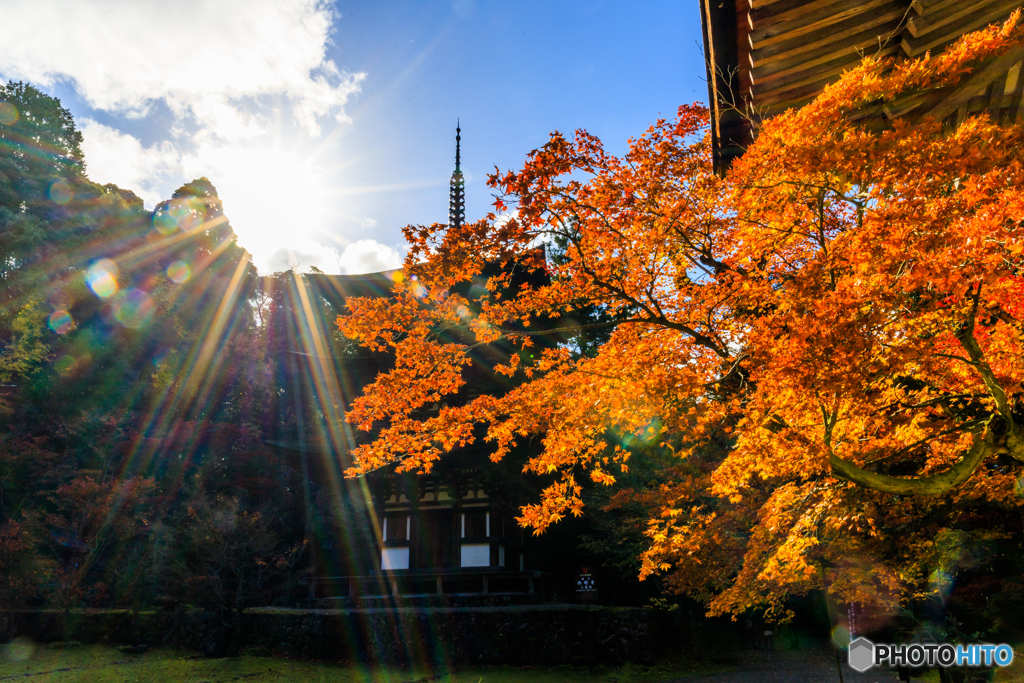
(270,198)
(273,199)
(300,256)
(504,217)
(114,157)
(233,73)
(206,60)
(362,256)
(369,256)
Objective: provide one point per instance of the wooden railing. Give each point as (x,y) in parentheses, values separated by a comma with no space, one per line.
(424,582)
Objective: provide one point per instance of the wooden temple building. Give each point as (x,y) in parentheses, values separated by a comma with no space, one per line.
(766,56)
(450,532)
(389,536)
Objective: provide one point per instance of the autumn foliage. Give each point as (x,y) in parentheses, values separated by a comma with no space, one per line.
(137,394)
(829,338)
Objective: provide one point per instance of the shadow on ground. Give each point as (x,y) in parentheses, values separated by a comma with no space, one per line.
(25,661)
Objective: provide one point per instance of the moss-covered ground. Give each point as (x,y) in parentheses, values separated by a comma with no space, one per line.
(25,661)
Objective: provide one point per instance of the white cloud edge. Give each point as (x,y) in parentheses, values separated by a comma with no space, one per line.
(209,64)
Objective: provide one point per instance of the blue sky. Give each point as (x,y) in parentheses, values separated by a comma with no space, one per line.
(329,126)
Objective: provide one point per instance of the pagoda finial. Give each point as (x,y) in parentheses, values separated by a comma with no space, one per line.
(458,142)
(457,201)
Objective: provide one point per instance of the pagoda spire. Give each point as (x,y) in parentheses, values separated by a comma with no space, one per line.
(457,195)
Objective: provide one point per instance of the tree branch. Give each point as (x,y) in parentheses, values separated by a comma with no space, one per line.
(934,485)
(1014,433)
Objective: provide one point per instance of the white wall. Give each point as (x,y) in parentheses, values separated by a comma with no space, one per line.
(476,555)
(394,558)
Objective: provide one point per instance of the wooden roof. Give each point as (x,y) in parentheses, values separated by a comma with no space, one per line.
(765,56)
(336,288)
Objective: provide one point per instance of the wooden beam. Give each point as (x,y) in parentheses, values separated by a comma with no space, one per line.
(990,94)
(980,103)
(810,22)
(884,20)
(865,43)
(737,132)
(1016,90)
(923,7)
(1012,78)
(709,45)
(904,105)
(935,20)
(804,92)
(785,10)
(831,72)
(1019,114)
(998,106)
(742,45)
(961,114)
(976,83)
(777,108)
(868,111)
(754,4)
(916,46)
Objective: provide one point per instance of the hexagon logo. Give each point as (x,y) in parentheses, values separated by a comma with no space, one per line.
(862,655)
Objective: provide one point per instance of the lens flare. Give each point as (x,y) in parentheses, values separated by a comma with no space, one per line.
(19,649)
(164,223)
(189,212)
(60,192)
(134,310)
(183,213)
(942,582)
(65,365)
(102,278)
(841,636)
(60,321)
(418,290)
(179,272)
(8,114)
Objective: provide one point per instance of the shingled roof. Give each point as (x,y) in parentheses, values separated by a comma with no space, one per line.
(766,56)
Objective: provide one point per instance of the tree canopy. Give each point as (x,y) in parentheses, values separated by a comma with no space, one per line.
(138,390)
(828,338)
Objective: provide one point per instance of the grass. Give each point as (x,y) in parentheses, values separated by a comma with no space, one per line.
(25,661)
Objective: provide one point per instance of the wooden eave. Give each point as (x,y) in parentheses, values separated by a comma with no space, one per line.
(766,56)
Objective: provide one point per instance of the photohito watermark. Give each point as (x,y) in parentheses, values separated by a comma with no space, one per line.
(864,654)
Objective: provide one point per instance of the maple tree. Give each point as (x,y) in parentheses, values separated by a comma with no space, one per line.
(841,314)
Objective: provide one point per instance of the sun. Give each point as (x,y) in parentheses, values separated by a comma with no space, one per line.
(274,199)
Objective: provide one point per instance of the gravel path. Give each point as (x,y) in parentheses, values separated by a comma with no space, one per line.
(805,666)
